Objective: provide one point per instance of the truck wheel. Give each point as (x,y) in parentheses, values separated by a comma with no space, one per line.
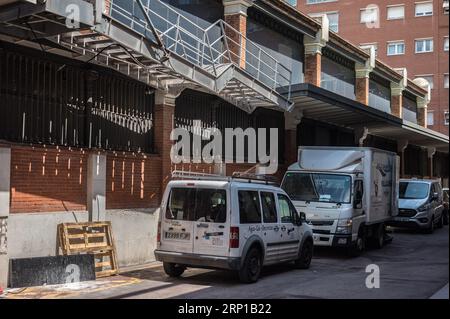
(251,268)
(358,247)
(305,255)
(440,223)
(430,228)
(173,270)
(378,238)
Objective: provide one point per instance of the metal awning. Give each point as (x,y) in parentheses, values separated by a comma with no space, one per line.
(326,106)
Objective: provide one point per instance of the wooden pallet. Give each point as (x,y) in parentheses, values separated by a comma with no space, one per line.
(90,238)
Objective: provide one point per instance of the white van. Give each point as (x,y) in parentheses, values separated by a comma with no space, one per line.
(230,223)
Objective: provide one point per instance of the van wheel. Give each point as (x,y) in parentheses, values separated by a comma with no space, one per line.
(430,228)
(251,268)
(305,256)
(358,247)
(173,270)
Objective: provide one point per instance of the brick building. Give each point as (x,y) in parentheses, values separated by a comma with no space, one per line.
(87,109)
(410,34)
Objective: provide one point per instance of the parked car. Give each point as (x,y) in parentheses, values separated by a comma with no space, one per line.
(420,205)
(446,200)
(230,223)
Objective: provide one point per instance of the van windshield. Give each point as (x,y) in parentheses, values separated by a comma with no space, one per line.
(197,204)
(413,190)
(316,187)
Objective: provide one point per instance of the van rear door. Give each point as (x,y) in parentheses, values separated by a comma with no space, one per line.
(211,229)
(177,224)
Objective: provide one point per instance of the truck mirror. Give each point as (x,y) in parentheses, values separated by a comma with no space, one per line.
(357,203)
(302,218)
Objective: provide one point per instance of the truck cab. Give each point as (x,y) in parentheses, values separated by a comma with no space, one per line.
(347,194)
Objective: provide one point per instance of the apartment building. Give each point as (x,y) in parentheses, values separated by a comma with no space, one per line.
(407,34)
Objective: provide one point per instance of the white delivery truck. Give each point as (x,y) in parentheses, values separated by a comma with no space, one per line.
(346,193)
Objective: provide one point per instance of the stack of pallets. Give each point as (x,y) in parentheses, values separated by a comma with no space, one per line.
(90,238)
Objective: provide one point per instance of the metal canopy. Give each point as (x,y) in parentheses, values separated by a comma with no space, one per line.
(151,42)
(320,104)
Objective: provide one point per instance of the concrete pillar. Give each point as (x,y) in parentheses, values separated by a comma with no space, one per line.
(96,187)
(291,121)
(430,169)
(5,187)
(235,12)
(313,52)
(164,124)
(401,146)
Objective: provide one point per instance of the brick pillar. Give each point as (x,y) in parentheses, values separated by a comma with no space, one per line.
(164,123)
(362,76)
(362,90)
(397,99)
(422,111)
(236,16)
(313,68)
(313,53)
(5,186)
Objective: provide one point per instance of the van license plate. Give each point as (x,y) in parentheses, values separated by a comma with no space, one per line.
(178,236)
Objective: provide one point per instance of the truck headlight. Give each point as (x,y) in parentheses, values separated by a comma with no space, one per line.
(344,226)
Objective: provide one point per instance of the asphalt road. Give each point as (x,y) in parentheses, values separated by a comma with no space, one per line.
(414,265)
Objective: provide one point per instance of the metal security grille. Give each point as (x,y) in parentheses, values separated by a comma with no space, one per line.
(51,101)
(195,110)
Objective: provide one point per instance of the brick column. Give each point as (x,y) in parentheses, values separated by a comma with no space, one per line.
(235,12)
(313,53)
(397,99)
(362,75)
(163,125)
(5,186)
(422,116)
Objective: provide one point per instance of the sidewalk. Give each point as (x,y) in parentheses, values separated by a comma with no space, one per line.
(441,293)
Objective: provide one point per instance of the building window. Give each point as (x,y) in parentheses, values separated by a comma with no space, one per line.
(333,18)
(318,1)
(292,2)
(396,48)
(446,80)
(445,6)
(369,15)
(396,12)
(446,118)
(430,118)
(424,9)
(429,78)
(446,43)
(424,45)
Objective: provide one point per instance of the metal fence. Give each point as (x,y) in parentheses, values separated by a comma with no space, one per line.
(47,100)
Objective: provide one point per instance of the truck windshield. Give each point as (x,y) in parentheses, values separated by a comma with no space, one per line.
(316,187)
(413,190)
